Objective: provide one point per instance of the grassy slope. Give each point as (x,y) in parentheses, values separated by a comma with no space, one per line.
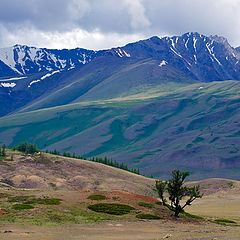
(50,172)
(107,78)
(195,127)
(73,180)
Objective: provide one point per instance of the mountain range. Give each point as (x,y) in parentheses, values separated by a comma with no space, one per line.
(156,104)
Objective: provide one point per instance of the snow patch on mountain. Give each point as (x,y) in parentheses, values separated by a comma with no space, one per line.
(31,83)
(49,74)
(194,43)
(7,56)
(186,44)
(212,54)
(11,79)
(176,52)
(163,63)
(43,77)
(195,58)
(8,85)
(122,53)
(70,68)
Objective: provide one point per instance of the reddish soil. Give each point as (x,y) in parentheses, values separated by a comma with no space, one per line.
(2,212)
(136,196)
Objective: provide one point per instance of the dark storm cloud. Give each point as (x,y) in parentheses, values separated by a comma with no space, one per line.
(107,15)
(62,15)
(75,22)
(42,14)
(204,16)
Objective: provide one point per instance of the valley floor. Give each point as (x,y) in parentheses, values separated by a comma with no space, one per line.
(141,230)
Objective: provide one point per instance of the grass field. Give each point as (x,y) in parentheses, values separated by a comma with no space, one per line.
(223,204)
(72,220)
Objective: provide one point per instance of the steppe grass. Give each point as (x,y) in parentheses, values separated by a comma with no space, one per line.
(148,216)
(224,221)
(19,198)
(185,214)
(49,215)
(144,204)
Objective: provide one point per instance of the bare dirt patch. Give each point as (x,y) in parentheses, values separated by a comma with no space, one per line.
(2,212)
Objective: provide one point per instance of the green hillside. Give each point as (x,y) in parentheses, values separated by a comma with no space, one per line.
(154,127)
(110,78)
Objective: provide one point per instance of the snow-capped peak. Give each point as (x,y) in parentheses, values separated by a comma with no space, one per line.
(28,60)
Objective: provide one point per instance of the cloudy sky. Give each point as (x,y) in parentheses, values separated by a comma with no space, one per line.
(100,24)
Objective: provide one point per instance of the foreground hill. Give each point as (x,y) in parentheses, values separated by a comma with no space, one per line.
(50,172)
(193,127)
(47,196)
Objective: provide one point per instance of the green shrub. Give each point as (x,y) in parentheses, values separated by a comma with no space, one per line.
(97,197)
(111,208)
(148,216)
(159,203)
(144,204)
(18,198)
(185,214)
(22,206)
(223,221)
(53,185)
(26,148)
(45,201)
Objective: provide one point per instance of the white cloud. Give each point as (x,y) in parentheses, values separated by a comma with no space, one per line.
(71,39)
(137,12)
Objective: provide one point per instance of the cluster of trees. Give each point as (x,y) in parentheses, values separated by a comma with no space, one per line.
(26,148)
(31,149)
(3,150)
(115,164)
(66,154)
(104,160)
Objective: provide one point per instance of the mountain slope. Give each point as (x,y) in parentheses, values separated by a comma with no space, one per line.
(156,104)
(115,72)
(111,78)
(194,127)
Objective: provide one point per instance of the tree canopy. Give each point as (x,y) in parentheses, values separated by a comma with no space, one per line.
(176,191)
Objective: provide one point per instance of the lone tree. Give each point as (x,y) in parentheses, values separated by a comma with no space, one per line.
(176,191)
